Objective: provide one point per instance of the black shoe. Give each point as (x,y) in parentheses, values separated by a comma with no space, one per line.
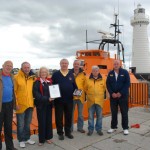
(60,137)
(81,130)
(100,132)
(70,136)
(90,133)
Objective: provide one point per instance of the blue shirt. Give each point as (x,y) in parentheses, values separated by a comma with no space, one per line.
(7,95)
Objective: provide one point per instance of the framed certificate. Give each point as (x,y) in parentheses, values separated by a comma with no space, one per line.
(54,91)
(77,92)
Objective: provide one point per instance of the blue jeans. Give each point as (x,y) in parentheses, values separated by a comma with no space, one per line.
(23,125)
(92,110)
(80,120)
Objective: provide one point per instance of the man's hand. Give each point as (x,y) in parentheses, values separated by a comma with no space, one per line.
(114,95)
(51,99)
(18,107)
(118,95)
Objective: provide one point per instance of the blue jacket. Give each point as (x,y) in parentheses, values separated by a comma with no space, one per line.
(121,85)
(67,85)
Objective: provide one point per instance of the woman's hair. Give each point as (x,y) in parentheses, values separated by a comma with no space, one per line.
(41,69)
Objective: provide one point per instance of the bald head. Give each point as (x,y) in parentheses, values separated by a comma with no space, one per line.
(116,65)
(7,67)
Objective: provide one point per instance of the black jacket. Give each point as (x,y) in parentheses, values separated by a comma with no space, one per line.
(41,94)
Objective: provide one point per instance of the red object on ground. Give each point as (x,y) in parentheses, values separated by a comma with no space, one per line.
(135,126)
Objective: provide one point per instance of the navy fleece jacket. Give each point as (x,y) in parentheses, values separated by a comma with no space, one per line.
(121,85)
(67,85)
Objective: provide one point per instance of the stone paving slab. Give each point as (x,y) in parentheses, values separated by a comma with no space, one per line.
(138,139)
(91,148)
(135,139)
(140,109)
(139,115)
(114,144)
(82,140)
(135,120)
(147,135)
(140,149)
(147,123)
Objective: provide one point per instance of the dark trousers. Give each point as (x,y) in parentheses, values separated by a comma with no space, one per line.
(44,116)
(63,109)
(6,116)
(123,105)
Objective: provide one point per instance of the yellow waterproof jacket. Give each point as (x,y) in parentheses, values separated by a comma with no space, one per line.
(23,90)
(80,81)
(95,89)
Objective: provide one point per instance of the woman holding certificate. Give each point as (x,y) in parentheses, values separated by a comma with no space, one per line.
(43,104)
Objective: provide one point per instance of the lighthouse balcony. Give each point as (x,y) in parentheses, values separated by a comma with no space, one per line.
(135,20)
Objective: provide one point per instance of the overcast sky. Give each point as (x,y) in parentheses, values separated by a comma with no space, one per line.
(44,31)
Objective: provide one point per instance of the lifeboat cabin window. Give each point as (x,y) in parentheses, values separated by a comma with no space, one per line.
(82,54)
(105,55)
(82,63)
(85,54)
(88,54)
(78,54)
(102,66)
(96,54)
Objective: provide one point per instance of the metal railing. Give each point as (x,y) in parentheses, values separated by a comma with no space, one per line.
(138,94)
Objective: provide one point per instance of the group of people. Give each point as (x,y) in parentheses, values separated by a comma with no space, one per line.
(16,93)
(24,91)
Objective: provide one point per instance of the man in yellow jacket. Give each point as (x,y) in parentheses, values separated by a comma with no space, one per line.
(95,88)
(24,103)
(79,100)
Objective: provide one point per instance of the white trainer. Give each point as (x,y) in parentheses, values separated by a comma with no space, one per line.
(111,130)
(30,142)
(125,132)
(22,144)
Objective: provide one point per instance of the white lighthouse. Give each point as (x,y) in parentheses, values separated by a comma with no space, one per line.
(140,45)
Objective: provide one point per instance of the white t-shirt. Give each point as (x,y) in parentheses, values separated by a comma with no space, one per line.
(116,75)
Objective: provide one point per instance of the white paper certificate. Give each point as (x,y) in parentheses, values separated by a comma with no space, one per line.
(54,91)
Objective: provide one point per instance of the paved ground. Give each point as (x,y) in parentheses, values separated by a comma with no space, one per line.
(138,139)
